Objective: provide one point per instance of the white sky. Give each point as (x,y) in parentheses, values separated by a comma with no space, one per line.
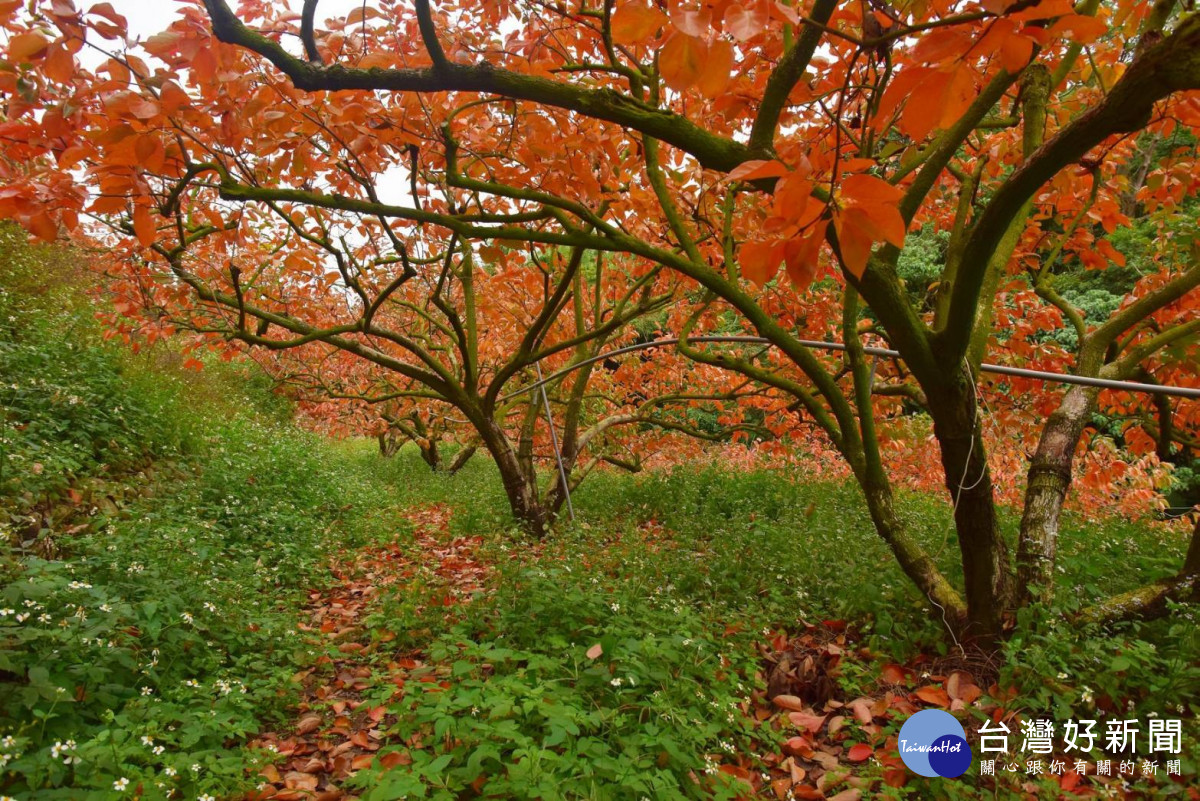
(148,17)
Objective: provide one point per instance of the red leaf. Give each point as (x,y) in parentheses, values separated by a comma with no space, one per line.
(860,753)
(595,651)
(143,226)
(806,721)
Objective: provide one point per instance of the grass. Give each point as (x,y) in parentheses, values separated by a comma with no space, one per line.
(677,575)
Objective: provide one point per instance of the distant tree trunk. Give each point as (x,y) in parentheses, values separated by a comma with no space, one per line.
(462,457)
(429,452)
(389,443)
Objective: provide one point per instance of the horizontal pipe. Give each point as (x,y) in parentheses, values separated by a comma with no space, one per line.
(999,369)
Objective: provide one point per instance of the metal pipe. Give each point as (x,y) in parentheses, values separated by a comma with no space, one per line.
(999,369)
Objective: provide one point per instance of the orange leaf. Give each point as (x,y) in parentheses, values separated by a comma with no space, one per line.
(745,23)
(1083,30)
(1110,252)
(862,189)
(42,227)
(934,695)
(854,240)
(759,262)
(143,226)
(633,23)
(791,196)
(25,46)
(693,22)
(59,65)
(756,168)
(801,258)
(681,60)
(806,721)
(1015,52)
(923,106)
(717,68)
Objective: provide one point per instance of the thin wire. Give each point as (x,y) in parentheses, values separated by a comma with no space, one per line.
(562,473)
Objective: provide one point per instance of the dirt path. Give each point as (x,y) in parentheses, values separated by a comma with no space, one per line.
(335,731)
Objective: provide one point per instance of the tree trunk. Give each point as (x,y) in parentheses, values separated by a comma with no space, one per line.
(389,443)
(984,553)
(1152,601)
(429,452)
(914,561)
(1050,473)
(520,485)
(461,458)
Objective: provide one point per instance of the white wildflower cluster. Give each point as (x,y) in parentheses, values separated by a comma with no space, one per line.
(226,687)
(136,567)
(65,752)
(79,585)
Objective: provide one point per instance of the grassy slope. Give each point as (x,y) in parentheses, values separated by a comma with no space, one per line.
(161,528)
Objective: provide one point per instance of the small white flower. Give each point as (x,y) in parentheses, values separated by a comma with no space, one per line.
(121,783)
(187,617)
(195,767)
(9,741)
(169,771)
(105,608)
(44,618)
(80,585)
(147,691)
(206,797)
(158,750)
(1062,676)
(21,618)
(616,607)
(210,606)
(147,740)
(616,682)
(6,612)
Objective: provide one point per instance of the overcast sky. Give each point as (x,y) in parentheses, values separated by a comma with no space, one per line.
(148,17)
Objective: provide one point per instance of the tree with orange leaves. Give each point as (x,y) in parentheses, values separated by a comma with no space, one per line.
(715,140)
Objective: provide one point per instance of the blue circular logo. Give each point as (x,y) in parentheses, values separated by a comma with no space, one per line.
(933,743)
